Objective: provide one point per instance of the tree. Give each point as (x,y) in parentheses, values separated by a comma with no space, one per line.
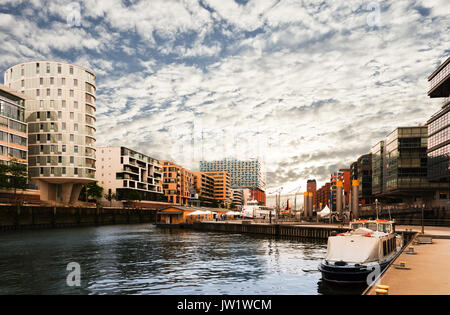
(232,206)
(134,195)
(17,176)
(13,176)
(110,197)
(93,190)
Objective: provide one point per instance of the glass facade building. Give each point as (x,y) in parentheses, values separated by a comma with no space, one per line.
(13,128)
(377,167)
(439,125)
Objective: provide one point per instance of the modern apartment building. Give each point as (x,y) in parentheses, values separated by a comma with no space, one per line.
(60,113)
(121,170)
(204,186)
(178,183)
(249,174)
(13,129)
(439,127)
(222,186)
(323,196)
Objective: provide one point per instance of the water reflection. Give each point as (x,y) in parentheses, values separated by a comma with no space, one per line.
(143,259)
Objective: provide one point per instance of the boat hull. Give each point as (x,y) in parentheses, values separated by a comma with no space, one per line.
(347,274)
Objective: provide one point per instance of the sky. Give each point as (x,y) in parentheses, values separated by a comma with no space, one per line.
(307,86)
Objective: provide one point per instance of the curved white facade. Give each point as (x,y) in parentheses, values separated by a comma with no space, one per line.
(61,125)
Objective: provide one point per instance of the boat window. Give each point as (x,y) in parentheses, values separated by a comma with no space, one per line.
(371,226)
(386,228)
(357,225)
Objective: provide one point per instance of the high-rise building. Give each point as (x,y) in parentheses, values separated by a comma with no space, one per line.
(439,127)
(13,129)
(61,125)
(121,170)
(249,174)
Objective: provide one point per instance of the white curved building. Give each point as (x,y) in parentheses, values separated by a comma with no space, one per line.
(61,125)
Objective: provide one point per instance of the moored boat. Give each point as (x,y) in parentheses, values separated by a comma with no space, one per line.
(369,246)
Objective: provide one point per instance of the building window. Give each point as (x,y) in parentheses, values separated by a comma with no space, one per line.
(59,92)
(75,105)
(41,81)
(59,69)
(38,115)
(63,126)
(41,104)
(63,81)
(64,148)
(37,67)
(71,70)
(64,171)
(63,103)
(23,83)
(48,68)
(75,82)
(75,149)
(52,104)
(48,92)
(59,114)
(75,127)
(75,171)
(52,80)
(71,115)
(71,93)
(72,137)
(38,92)
(72,160)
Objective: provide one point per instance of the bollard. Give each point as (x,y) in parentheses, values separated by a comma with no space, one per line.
(383,287)
(381,292)
(411,250)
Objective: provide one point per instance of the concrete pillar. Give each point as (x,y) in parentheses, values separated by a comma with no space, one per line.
(350,202)
(310,199)
(355,199)
(66,192)
(339,191)
(75,193)
(305,205)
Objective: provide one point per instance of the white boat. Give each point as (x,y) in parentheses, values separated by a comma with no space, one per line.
(255,211)
(353,256)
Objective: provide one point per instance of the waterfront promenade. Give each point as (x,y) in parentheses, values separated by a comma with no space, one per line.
(427,272)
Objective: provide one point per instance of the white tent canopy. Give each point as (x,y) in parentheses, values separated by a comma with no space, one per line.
(324,213)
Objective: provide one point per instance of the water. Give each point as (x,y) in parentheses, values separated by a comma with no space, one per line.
(144,259)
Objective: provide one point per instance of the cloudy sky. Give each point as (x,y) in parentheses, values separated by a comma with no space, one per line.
(307,85)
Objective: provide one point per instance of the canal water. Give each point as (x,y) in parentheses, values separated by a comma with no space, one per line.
(144,259)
